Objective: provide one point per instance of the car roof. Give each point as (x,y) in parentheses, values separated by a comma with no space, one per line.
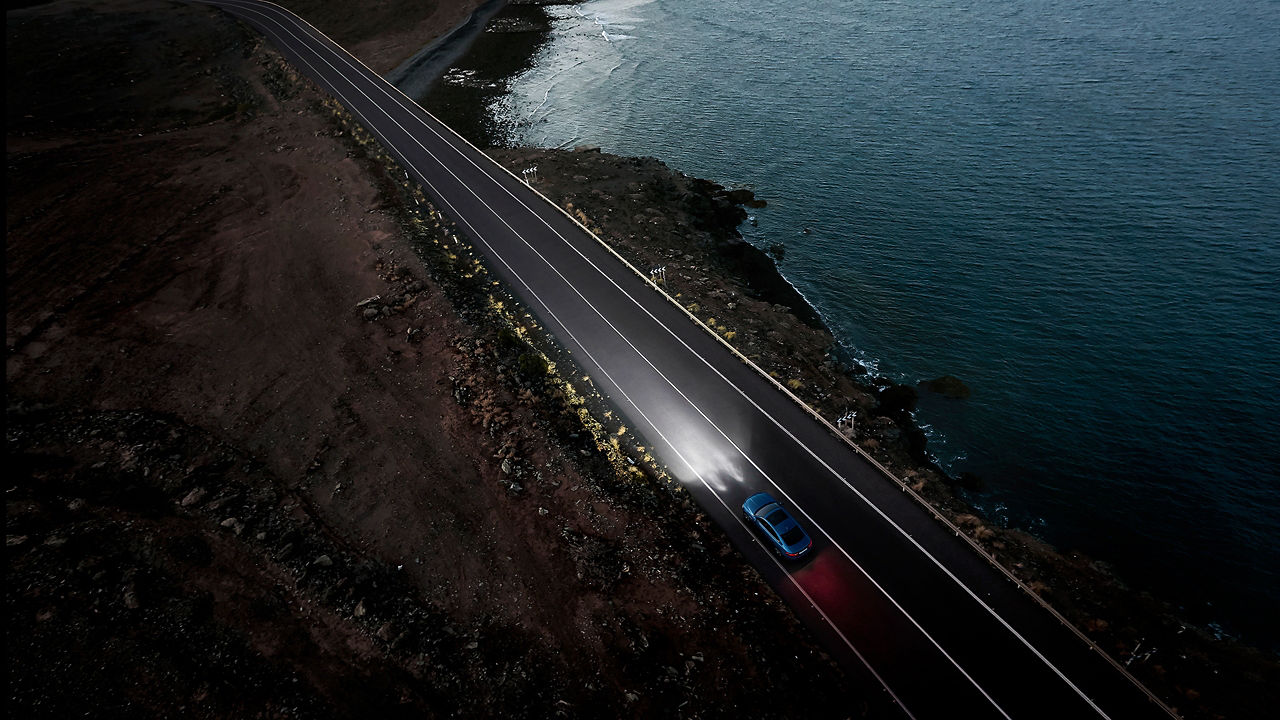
(778,517)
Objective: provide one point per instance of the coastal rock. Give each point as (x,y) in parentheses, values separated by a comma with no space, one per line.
(742,196)
(969,481)
(947,386)
(765,281)
(897,400)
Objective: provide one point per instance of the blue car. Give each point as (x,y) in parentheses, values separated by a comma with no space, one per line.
(767,514)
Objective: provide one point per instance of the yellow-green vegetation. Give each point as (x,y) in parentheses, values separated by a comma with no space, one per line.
(795,384)
(532,365)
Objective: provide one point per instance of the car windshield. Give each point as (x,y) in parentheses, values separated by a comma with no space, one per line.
(792,536)
(776,517)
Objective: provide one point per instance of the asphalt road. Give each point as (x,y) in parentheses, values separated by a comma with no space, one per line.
(888,588)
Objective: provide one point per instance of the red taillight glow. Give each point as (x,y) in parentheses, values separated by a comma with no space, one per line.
(805,550)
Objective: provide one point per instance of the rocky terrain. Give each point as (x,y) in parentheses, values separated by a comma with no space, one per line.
(281,448)
(277,447)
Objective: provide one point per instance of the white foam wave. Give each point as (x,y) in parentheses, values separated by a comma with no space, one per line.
(460,77)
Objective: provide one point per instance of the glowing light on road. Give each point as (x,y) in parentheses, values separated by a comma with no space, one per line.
(708,458)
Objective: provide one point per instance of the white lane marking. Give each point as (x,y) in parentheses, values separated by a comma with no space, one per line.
(810,451)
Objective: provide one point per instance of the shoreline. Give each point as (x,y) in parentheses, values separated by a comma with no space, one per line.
(1100,604)
(760,271)
(1121,472)
(1129,625)
(414,76)
(221,443)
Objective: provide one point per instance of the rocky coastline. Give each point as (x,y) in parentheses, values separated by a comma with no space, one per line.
(415,75)
(656,217)
(275,515)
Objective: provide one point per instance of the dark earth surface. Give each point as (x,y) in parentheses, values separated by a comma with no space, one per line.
(274,450)
(278,447)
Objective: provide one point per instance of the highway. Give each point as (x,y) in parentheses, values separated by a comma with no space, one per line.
(888,588)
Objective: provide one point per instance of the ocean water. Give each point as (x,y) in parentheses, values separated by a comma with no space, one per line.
(1073,206)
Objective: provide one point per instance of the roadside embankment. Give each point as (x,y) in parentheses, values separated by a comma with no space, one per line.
(385,34)
(278,446)
(414,75)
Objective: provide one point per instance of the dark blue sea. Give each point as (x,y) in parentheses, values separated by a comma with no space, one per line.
(1072,206)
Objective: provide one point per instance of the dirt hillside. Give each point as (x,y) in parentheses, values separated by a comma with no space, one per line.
(275,450)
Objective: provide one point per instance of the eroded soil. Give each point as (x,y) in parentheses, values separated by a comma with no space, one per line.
(278,447)
(274,450)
